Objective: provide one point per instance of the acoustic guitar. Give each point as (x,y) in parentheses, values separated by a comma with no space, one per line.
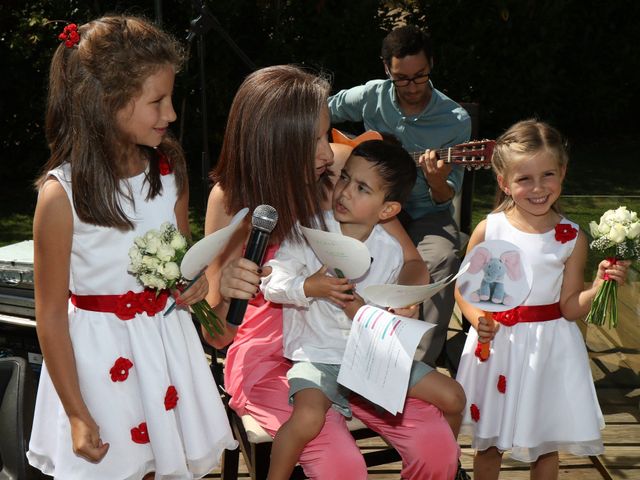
(473,155)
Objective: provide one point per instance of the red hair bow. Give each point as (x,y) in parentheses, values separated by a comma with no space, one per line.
(70,35)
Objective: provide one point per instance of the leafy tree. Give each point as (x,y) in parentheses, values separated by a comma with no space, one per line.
(571,62)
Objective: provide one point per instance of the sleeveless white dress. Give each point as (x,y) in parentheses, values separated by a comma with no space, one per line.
(535,393)
(177,432)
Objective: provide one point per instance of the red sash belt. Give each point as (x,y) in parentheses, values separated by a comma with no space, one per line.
(125,306)
(528,313)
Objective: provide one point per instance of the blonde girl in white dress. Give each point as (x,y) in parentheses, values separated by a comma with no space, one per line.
(534,396)
(125,392)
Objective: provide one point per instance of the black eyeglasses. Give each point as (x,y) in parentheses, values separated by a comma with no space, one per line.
(403,82)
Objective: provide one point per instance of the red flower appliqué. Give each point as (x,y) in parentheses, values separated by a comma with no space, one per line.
(475,412)
(139,434)
(565,232)
(120,370)
(148,301)
(171,398)
(128,305)
(502,384)
(70,35)
(164,164)
(152,301)
(508,318)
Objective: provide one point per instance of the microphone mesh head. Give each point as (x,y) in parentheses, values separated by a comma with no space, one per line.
(264,218)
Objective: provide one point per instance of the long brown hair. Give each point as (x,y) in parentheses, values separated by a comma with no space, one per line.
(88,84)
(269,145)
(525,138)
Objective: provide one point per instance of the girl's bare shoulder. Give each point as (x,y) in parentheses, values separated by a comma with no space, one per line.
(52,196)
(216,216)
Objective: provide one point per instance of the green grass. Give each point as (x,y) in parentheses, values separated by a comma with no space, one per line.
(15,227)
(600,176)
(196,221)
(582,209)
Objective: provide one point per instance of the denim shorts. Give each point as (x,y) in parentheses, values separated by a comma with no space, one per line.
(324,377)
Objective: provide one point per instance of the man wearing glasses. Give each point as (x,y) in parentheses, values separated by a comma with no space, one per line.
(407,106)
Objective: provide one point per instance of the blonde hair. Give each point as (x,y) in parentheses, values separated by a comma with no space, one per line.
(525,138)
(88,84)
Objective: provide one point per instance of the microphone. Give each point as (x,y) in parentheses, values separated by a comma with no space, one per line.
(263,222)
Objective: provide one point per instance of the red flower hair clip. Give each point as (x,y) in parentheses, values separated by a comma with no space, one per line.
(70,35)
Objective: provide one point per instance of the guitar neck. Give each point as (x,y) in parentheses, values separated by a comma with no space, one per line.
(476,154)
(447,155)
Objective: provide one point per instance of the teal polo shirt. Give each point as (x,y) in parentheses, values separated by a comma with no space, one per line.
(443,123)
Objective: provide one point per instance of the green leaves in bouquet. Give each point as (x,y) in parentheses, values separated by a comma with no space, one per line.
(207,318)
(604,309)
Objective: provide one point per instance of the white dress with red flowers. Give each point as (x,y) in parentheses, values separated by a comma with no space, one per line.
(535,393)
(145,381)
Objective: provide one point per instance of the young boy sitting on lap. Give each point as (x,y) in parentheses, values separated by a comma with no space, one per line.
(318,307)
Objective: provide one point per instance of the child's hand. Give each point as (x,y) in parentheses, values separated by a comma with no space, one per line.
(487,329)
(609,271)
(85,436)
(353,306)
(411,311)
(321,285)
(196,292)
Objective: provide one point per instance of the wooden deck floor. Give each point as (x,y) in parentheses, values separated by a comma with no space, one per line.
(615,364)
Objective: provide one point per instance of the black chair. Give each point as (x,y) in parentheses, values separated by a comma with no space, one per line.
(255,444)
(17,402)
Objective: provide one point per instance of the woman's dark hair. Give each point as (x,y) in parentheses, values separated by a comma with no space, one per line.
(269,145)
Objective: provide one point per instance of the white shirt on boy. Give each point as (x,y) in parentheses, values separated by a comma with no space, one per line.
(315,329)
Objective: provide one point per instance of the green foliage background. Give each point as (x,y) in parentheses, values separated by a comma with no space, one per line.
(573,63)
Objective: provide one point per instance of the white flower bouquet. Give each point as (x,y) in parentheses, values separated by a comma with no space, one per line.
(155,261)
(618,237)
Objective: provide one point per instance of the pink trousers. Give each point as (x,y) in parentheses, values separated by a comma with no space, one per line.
(420,434)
